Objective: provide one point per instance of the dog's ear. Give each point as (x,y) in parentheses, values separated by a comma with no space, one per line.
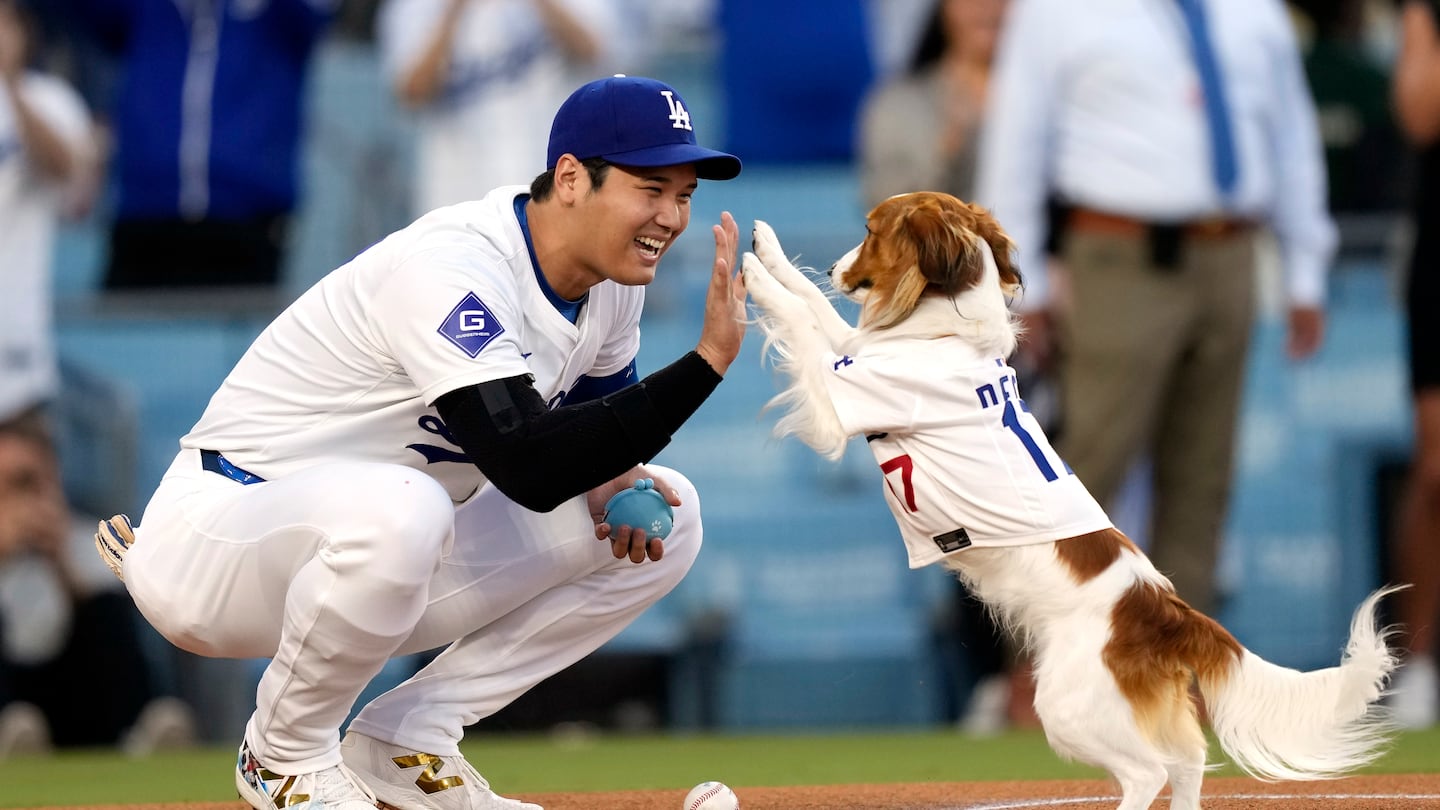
(944,242)
(1002,247)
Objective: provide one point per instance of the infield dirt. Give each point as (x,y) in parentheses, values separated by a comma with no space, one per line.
(1390,792)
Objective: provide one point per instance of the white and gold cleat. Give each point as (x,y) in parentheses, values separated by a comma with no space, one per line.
(404,779)
(333,788)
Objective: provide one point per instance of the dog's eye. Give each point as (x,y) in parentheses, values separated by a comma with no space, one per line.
(865,284)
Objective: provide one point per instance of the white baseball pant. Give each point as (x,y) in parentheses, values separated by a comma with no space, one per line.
(332,571)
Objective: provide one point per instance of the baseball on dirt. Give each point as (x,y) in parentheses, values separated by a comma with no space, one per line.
(711,796)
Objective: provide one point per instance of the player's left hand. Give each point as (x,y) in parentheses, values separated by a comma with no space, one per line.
(628,542)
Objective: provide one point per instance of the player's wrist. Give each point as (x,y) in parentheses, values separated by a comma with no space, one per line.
(719,361)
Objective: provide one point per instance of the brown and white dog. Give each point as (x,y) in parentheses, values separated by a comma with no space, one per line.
(1115,649)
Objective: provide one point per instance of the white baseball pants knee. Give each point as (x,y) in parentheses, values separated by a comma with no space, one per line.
(332,571)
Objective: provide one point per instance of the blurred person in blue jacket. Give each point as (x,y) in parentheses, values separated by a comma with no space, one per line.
(207,122)
(792,77)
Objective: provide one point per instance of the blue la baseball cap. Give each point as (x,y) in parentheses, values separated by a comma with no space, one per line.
(633,121)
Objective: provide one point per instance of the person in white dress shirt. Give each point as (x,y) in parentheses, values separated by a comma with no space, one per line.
(1100,113)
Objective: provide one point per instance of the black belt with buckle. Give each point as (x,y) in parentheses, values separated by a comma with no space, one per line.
(1164,239)
(218,464)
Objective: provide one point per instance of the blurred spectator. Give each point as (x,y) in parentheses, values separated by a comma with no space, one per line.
(1416,692)
(47,166)
(66,52)
(1350,87)
(486,76)
(895,28)
(793,75)
(207,123)
(920,131)
(1168,133)
(62,624)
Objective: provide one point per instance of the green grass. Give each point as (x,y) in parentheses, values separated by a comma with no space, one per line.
(543,764)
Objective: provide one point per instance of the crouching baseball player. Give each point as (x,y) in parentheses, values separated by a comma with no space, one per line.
(416,454)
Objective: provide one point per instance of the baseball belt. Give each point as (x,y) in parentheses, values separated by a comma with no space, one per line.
(218,464)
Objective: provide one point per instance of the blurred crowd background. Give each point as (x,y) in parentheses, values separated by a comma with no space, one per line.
(225,154)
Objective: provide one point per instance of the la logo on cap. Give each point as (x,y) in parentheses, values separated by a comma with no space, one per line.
(679,116)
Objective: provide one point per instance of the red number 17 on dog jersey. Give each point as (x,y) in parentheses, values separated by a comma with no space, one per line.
(1015,420)
(906,466)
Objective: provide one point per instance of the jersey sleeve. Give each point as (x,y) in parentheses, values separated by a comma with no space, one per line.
(451,317)
(869,395)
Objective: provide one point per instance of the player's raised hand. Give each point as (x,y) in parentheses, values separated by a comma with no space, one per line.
(724,328)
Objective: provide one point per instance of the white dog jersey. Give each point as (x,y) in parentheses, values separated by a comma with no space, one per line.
(351,370)
(965,463)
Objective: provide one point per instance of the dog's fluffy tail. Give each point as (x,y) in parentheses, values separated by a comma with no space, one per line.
(1279,723)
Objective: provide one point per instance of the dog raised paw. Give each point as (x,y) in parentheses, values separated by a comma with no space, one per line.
(768,250)
(767,293)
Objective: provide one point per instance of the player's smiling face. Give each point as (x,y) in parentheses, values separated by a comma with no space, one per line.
(633,218)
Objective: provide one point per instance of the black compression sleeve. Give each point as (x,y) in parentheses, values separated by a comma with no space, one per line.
(540,458)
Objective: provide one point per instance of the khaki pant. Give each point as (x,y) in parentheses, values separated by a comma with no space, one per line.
(1153,362)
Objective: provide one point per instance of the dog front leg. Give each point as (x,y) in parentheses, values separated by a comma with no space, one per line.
(780,309)
(768,250)
(800,354)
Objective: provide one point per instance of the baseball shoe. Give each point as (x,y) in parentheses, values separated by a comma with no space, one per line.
(333,788)
(113,538)
(986,713)
(24,731)
(1414,699)
(164,724)
(404,779)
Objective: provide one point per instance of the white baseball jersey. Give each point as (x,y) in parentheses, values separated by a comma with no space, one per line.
(30,206)
(351,370)
(965,464)
(506,78)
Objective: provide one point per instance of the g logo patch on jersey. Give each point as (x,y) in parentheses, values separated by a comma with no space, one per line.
(470,325)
